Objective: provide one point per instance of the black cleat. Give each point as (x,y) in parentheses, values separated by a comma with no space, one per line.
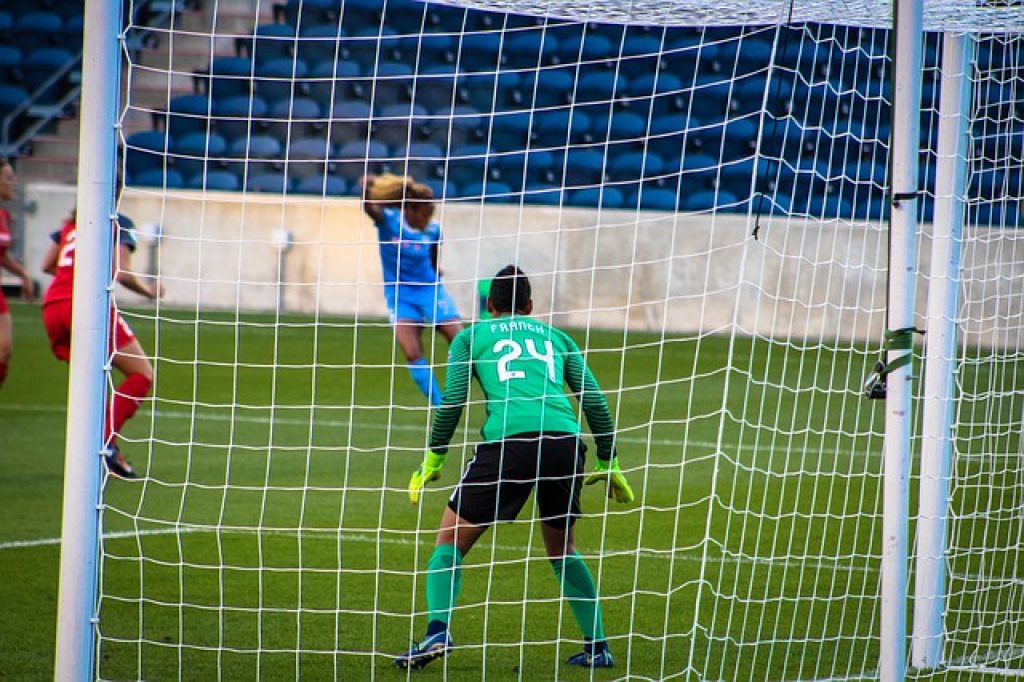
(117,465)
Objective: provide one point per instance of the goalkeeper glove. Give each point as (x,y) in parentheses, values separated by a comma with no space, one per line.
(618,486)
(430,470)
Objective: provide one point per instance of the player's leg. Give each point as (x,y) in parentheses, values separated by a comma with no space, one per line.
(408,334)
(558,492)
(6,343)
(129,359)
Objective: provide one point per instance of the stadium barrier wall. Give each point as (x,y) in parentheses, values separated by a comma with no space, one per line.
(603,269)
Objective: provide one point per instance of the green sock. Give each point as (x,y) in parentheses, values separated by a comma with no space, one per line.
(578,588)
(444,580)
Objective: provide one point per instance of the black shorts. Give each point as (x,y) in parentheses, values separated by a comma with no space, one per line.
(501,476)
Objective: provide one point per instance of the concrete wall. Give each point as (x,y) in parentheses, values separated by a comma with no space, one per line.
(610,269)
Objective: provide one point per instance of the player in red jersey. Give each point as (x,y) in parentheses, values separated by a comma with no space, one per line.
(128,356)
(8,182)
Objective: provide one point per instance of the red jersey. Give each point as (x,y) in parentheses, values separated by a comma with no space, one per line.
(61,288)
(5,233)
(64,278)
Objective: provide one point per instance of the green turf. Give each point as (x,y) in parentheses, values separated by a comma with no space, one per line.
(272,536)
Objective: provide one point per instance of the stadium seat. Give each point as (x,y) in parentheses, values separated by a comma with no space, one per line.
(195,151)
(621,126)
(358,158)
(146,151)
(703,201)
(428,50)
(489,91)
(654,199)
(73,33)
(258,155)
(603,197)
(349,122)
(441,188)
(549,87)
(365,45)
(6,21)
(281,79)
(295,119)
(467,165)
(529,49)
(323,185)
(42,64)
(559,127)
(215,180)
(238,117)
(601,85)
(462,126)
(228,77)
(399,124)
(158,177)
(269,183)
(269,42)
(479,51)
(300,12)
(493,192)
(635,166)
(36,29)
(188,114)
(421,160)
(392,84)
(306,158)
(511,131)
(332,82)
(696,169)
(544,194)
(404,16)
(435,88)
(10,63)
(829,206)
(584,166)
(513,168)
(319,44)
(587,47)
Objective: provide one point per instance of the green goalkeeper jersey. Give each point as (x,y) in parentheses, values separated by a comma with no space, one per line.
(522,366)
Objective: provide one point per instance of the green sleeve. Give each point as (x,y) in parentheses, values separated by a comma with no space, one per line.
(583,384)
(456,393)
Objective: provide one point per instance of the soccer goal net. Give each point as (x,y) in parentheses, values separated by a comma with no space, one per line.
(700,195)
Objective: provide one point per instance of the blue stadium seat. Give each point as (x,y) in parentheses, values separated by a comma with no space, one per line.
(6,21)
(829,206)
(518,167)
(549,87)
(229,77)
(462,126)
(434,88)
(559,127)
(215,180)
(467,165)
(584,166)
(280,79)
(405,16)
(489,91)
(529,48)
(493,192)
(544,194)
(604,197)
(42,64)
(10,63)
(195,151)
(356,159)
(873,208)
(349,122)
(511,131)
(158,177)
(300,12)
(319,44)
(428,50)
(441,188)
(479,51)
(399,124)
(392,84)
(188,114)
(237,117)
(73,33)
(421,160)
(622,125)
(295,119)
(748,53)
(269,183)
(258,154)
(333,82)
(364,45)
(587,47)
(271,41)
(655,199)
(599,86)
(36,29)
(145,151)
(635,166)
(306,158)
(696,169)
(323,185)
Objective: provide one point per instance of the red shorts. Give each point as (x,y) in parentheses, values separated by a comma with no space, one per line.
(57,319)
(4,308)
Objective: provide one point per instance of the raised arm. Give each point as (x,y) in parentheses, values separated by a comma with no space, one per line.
(49,262)
(374,209)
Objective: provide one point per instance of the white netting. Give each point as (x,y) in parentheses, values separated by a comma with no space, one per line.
(627,169)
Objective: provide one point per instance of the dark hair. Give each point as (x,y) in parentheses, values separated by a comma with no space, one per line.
(510,290)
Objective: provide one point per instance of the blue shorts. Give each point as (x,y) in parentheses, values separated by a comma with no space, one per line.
(426,303)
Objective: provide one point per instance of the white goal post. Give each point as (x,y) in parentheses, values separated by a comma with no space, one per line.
(736,212)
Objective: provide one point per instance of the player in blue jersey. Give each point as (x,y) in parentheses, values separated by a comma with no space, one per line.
(403,212)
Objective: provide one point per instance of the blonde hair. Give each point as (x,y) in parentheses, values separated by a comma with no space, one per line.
(391,188)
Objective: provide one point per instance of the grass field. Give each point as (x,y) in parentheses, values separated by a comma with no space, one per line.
(271,536)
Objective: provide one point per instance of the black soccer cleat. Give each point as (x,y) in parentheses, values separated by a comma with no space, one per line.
(431,648)
(117,465)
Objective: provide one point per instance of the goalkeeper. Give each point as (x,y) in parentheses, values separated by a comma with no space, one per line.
(531,440)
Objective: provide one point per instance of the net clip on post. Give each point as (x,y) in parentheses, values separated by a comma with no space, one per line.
(875,386)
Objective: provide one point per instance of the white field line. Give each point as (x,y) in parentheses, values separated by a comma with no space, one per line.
(384,425)
(669,555)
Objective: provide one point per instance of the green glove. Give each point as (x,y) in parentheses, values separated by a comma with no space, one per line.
(430,470)
(618,486)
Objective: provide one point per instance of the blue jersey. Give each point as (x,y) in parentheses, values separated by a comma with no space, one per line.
(406,254)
